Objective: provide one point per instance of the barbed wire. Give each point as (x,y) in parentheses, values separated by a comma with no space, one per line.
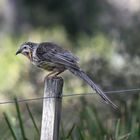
(124,91)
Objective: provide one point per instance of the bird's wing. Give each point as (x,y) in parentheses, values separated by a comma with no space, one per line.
(51,52)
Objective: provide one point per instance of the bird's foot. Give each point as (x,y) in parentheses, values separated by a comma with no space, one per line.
(53,74)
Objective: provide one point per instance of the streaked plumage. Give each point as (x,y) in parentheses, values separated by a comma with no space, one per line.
(52,57)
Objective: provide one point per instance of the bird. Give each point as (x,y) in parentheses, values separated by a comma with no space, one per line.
(52,57)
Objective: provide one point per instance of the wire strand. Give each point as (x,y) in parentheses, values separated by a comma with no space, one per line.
(70,95)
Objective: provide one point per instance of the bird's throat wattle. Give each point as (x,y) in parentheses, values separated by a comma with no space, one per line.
(30,56)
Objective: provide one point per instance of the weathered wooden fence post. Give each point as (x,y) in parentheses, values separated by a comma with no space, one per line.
(51,113)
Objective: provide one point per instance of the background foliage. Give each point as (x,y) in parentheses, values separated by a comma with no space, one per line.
(105,37)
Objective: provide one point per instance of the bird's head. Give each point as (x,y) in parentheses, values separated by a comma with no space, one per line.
(27,49)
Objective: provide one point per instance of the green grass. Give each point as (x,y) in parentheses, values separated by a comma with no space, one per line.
(124,125)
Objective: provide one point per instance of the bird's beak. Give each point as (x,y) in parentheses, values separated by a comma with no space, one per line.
(18,52)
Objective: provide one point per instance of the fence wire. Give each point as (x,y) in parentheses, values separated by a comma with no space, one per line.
(124,91)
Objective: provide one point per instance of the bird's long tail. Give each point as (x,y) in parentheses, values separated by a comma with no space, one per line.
(81,74)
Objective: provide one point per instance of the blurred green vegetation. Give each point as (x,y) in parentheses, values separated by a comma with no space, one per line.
(105,37)
(87,125)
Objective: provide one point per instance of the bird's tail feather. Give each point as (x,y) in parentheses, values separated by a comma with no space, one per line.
(81,74)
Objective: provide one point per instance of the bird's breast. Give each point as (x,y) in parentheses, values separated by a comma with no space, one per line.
(43,64)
